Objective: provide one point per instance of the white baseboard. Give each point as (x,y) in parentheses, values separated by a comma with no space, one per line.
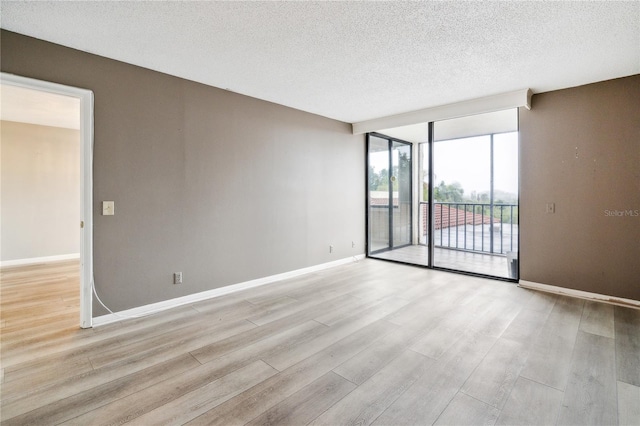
(620,301)
(217,292)
(45,259)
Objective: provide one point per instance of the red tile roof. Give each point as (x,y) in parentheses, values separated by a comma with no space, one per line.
(447,216)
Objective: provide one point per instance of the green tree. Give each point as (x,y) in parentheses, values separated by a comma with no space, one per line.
(383,182)
(451,193)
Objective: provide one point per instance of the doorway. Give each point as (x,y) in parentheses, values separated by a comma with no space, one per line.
(85,101)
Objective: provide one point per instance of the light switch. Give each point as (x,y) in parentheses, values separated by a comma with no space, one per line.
(108,208)
(551,207)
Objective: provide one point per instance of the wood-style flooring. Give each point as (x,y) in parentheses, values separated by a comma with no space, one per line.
(370,342)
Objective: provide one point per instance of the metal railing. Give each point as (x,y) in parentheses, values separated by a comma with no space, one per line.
(475,227)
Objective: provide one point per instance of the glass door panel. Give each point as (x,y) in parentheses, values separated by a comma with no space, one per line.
(378,197)
(424,224)
(401,182)
(461,201)
(389,194)
(506,196)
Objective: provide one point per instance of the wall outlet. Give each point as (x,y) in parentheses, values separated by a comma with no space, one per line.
(330,249)
(353,244)
(177,277)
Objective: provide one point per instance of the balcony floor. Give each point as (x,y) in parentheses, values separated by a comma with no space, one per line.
(479,263)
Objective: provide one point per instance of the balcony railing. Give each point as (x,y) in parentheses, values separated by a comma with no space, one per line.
(476,227)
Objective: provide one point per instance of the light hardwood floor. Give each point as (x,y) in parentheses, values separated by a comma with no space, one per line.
(366,343)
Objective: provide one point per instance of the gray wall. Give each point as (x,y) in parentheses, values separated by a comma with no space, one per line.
(222,187)
(40,191)
(580,148)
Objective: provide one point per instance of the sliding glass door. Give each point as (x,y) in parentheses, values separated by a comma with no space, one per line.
(462,211)
(389,194)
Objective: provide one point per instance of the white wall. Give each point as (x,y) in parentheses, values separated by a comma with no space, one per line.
(40,187)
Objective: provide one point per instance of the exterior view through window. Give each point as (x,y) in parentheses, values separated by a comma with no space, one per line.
(468,214)
(389,194)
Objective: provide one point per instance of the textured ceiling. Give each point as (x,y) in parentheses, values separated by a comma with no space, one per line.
(352,61)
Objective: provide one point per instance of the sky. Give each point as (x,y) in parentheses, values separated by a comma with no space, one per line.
(467,161)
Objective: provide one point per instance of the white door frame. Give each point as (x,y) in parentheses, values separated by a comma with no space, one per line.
(86,182)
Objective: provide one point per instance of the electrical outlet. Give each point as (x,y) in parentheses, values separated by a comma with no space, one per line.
(330,249)
(177,278)
(353,244)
